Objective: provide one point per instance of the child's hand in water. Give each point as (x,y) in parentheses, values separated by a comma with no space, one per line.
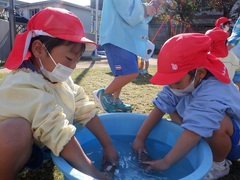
(108,169)
(108,176)
(110,154)
(140,152)
(143,156)
(155,165)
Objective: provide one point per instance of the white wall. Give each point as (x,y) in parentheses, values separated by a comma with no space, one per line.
(4,39)
(84,13)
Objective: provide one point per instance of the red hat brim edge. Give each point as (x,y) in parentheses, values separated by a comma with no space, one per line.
(166,79)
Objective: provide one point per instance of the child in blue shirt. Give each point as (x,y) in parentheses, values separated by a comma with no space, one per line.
(199,95)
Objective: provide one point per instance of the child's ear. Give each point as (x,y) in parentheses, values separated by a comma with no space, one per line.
(201,72)
(37,49)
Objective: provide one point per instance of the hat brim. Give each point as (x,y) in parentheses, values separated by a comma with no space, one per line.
(90,45)
(166,79)
(214,65)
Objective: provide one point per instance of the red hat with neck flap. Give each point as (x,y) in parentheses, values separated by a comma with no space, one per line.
(53,22)
(183,53)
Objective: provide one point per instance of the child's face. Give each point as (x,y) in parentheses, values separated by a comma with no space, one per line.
(225,26)
(200,73)
(182,83)
(67,55)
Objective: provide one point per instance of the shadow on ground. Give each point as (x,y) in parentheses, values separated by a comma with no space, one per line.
(84,72)
(142,79)
(39,173)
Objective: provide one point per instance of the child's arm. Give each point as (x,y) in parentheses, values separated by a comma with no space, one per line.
(187,140)
(109,151)
(74,154)
(153,118)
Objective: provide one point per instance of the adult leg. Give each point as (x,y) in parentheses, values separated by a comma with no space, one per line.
(15,146)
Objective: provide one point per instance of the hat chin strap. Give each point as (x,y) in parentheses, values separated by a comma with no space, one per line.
(40,33)
(30,35)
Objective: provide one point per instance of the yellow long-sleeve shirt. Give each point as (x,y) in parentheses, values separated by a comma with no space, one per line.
(50,108)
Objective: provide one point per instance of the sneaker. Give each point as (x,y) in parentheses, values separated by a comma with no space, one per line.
(140,71)
(217,170)
(104,100)
(145,71)
(121,107)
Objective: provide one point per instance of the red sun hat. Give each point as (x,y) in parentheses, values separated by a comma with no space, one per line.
(53,22)
(218,45)
(221,20)
(183,53)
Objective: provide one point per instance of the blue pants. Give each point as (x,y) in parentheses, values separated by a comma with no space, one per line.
(121,61)
(234,153)
(38,156)
(236,77)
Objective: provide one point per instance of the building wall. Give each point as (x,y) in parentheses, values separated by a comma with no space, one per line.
(3,3)
(84,13)
(158,35)
(4,39)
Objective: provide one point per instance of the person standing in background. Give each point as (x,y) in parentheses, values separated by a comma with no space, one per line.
(233,40)
(143,70)
(233,46)
(219,48)
(219,35)
(124,36)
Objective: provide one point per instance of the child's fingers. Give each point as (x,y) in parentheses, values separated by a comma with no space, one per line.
(139,154)
(147,165)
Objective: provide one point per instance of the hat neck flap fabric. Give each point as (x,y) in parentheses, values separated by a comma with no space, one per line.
(53,22)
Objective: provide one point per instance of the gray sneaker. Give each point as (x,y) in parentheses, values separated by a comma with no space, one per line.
(217,170)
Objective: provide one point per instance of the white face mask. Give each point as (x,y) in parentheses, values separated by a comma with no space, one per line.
(59,74)
(226,28)
(187,90)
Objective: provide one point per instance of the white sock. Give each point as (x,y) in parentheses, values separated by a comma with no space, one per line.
(222,163)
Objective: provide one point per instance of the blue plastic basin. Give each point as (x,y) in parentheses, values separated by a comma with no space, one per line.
(168,132)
